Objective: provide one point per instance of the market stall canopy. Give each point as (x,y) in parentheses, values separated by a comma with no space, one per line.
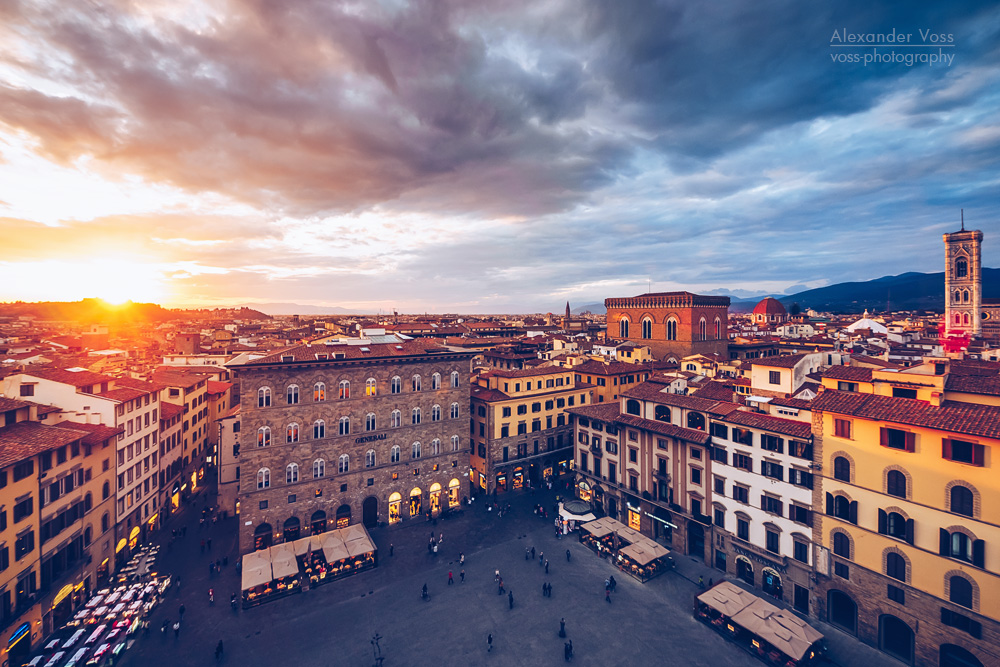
(727,598)
(785,632)
(645,551)
(283,562)
(256,569)
(333,547)
(307,544)
(566,513)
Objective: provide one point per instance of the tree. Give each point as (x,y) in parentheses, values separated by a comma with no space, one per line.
(794,309)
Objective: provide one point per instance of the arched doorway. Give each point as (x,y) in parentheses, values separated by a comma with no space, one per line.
(696,539)
(453,493)
(612,507)
(952,655)
(415,502)
(317,523)
(369,512)
(394,502)
(343,516)
(771,582)
(501,482)
(744,569)
(895,638)
(518,478)
(263,536)
(291,529)
(435,493)
(842,611)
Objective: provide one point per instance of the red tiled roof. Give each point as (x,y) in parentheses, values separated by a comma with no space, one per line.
(82,378)
(849,373)
(967,418)
(7,404)
(664,428)
(532,372)
(798,403)
(874,361)
(769,306)
(217,387)
(303,353)
(653,391)
(26,439)
(487,395)
(612,368)
(169,410)
(96,433)
(795,429)
(605,412)
(718,391)
(785,361)
(974,384)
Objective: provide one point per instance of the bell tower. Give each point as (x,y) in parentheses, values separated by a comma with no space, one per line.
(963,281)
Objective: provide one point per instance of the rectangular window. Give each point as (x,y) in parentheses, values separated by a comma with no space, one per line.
(772,470)
(506,411)
(772,443)
(800,514)
(800,478)
(720,486)
(894,438)
(743,436)
(720,517)
(743,462)
(802,450)
(741,494)
(774,377)
(842,428)
(896,594)
(847,386)
(961,451)
(720,455)
(24,469)
(696,476)
(903,392)
(743,529)
(771,504)
(800,551)
(720,430)
(633,455)
(841,570)
(773,541)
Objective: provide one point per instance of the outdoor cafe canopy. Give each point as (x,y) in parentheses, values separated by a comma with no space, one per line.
(256,569)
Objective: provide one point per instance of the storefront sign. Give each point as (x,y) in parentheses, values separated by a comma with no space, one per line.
(18,635)
(369,438)
(757,557)
(656,518)
(61,595)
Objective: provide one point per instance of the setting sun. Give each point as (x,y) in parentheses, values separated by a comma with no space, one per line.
(115,280)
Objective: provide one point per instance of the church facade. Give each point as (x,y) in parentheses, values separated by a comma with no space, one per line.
(673,324)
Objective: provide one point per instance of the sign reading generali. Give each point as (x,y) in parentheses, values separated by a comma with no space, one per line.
(369,438)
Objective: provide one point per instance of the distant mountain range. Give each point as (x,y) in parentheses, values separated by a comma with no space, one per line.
(907,291)
(100,311)
(298,309)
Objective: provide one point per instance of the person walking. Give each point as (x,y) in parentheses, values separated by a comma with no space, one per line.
(701,581)
(510,598)
(203,546)
(562,627)
(462,576)
(527,553)
(567,555)
(607,595)
(489,642)
(614,584)
(532,552)
(451,579)
(180,612)
(496,576)
(177,629)
(541,558)
(390,548)
(461,558)
(546,566)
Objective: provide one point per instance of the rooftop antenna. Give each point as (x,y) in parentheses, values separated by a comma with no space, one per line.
(963,219)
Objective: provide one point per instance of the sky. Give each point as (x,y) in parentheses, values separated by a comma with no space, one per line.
(487,156)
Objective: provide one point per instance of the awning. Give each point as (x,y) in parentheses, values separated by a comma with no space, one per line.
(307,544)
(602,527)
(629,535)
(333,547)
(727,598)
(283,562)
(785,632)
(256,569)
(645,551)
(570,516)
(353,532)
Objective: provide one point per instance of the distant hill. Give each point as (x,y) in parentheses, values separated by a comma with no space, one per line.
(299,309)
(98,310)
(907,291)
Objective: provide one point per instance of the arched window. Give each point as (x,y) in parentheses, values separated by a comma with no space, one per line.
(895,525)
(319,392)
(841,545)
(842,508)
(623,328)
(395,419)
(264,397)
(370,387)
(415,450)
(961,267)
(965,296)
(345,426)
(88,502)
(394,454)
(961,501)
(436,381)
(88,536)
(895,566)
(436,413)
(292,433)
(415,383)
(396,385)
(435,447)
(960,591)
(454,379)
(454,410)
(319,429)
(319,468)
(263,478)
(264,436)
(958,318)
(292,394)
(105,522)
(291,473)
(718,329)
(703,329)
(961,546)
(842,469)
(455,443)
(415,416)
(105,491)
(696,420)
(647,328)
(633,407)
(370,421)
(370,458)
(965,318)
(661,413)
(344,463)
(895,484)
(345,389)
(671,329)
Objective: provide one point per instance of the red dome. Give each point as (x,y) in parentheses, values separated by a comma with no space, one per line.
(769,306)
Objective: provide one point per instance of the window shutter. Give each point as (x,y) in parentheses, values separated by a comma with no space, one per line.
(911,442)
(979,553)
(853,512)
(883,435)
(909,531)
(829,504)
(883,522)
(977,455)
(944,544)
(946,449)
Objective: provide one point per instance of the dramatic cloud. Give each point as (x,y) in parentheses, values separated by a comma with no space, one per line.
(445,155)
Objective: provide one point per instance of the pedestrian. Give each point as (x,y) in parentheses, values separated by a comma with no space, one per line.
(544,590)
(451,579)
(489,643)
(218,564)
(607,595)
(567,651)
(701,581)
(211,568)
(177,629)
(541,558)
(203,546)
(163,628)
(432,536)
(462,575)
(496,576)
(390,548)
(510,598)
(546,566)
(180,612)
(550,590)
(527,553)
(607,583)
(430,546)
(532,553)
(567,555)
(461,558)
(440,538)
(614,584)
(562,627)
(218,651)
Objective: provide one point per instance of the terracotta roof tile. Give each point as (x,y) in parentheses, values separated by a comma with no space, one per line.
(653,391)
(605,412)
(795,429)
(665,428)
(785,361)
(82,378)
(12,404)
(26,439)
(96,433)
(849,373)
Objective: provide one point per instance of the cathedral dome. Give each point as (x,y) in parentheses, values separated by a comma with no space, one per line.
(769,306)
